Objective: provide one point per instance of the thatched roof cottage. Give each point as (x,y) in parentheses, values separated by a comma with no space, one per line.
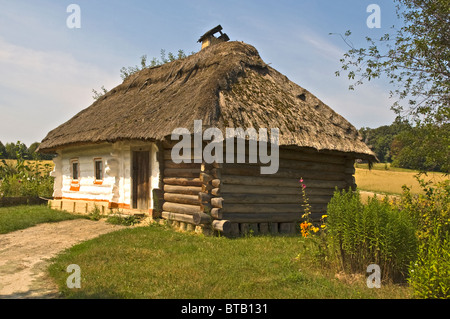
(117,153)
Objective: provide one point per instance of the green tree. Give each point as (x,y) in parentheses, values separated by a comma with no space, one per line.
(415,59)
(423,148)
(380,139)
(2,150)
(126,72)
(13,150)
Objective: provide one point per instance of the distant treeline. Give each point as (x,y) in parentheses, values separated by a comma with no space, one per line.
(425,148)
(15,150)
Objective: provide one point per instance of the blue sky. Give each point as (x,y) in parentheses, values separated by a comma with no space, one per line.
(48,70)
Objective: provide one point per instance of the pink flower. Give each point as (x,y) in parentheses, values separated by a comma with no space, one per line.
(301,180)
(303,185)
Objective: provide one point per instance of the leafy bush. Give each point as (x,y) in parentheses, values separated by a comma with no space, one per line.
(22,179)
(95,213)
(375,233)
(118,219)
(430,273)
(430,211)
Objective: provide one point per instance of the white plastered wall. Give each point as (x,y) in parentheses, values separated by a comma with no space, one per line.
(116,186)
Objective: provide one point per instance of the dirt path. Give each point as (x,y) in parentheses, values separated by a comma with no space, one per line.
(25,254)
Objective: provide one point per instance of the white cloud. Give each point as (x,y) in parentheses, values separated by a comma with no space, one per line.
(321,46)
(41,89)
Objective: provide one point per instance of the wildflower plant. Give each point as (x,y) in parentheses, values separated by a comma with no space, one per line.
(313,231)
(307,227)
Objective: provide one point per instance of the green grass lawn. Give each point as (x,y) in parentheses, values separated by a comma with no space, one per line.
(20,217)
(155,262)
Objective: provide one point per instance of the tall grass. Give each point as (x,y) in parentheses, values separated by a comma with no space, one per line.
(373,233)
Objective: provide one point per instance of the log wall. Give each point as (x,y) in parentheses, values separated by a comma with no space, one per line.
(180,192)
(236,199)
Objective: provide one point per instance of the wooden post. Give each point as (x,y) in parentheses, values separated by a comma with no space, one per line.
(264,228)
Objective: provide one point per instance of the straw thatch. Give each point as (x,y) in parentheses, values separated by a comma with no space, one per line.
(225,85)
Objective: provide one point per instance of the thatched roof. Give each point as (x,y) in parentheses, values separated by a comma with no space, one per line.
(224,85)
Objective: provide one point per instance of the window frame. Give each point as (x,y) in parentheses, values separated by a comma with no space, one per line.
(102,172)
(75,183)
(73,161)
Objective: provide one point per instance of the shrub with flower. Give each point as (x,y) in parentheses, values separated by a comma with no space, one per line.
(307,227)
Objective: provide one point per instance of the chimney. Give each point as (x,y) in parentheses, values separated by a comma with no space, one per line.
(209,39)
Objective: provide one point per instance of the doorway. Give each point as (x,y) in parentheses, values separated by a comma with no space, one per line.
(141,180)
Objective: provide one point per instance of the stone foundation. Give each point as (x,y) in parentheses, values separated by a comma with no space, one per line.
(87,207)
(238,229)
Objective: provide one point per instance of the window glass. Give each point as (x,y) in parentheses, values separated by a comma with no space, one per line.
(75,170)
(98,170)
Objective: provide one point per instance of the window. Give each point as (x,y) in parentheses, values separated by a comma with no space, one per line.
(75,168)
(98,167)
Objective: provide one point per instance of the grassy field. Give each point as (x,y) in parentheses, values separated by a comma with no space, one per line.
(42,164)
(390,181)
(21,217)
(154,262)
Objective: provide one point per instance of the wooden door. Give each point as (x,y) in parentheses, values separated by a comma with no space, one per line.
(141,180)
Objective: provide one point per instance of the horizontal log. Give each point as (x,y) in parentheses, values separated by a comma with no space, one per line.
(182,181)
(171,164)
(181,208)
(182,172)
(310,166)
(178,217)
(217,202)
(206,208)
(278,182)
(168,156)
(181,198)
(206,188)
(223,226)
(349,162)
(250,170)
(262,218)
(188,190)
(272,199)
(215,191)
(202,219)
(286,158)
(216,213)
(245,189)
(204,197)
(206,178)
(295,154)
(349,170)
(269,208)
(216,183)
(205,167)
(311,157)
